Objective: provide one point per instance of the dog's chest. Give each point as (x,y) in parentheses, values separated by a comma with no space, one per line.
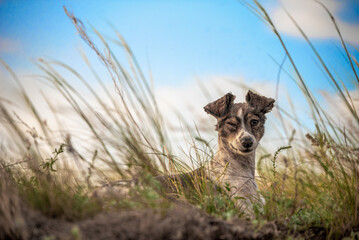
(239,185)
(238,178)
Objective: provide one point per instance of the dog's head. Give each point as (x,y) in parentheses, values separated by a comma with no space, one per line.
(240,126)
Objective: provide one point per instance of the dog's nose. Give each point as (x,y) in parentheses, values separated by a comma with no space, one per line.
(247,142)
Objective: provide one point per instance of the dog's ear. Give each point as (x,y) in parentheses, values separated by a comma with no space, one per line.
(260,103)
(221,106)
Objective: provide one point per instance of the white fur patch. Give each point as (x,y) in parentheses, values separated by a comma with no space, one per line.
(244,131)
(240,113)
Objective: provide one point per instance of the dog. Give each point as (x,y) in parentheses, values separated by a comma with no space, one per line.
(240,127)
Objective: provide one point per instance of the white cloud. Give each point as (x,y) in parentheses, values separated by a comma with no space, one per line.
(313,19)
(188,100)
(8,45)
(340,111)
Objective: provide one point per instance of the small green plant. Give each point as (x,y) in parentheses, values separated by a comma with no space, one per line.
(276,156)
(49,164)
(76,233)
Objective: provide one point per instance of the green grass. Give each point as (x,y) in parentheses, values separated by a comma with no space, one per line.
(312,183)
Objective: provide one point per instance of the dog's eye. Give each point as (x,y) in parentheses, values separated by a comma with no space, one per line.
(231,123)
(231,126)
(254,122)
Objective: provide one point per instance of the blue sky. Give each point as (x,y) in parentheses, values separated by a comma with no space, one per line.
(177,40)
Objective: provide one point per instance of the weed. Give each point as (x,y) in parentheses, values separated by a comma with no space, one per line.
(48,165)
(276,156)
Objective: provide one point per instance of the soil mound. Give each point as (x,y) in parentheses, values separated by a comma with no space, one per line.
(177,223)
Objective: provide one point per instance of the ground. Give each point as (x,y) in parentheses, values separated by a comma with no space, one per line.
(175,223)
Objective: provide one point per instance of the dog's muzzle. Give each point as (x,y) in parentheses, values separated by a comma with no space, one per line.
(247,142)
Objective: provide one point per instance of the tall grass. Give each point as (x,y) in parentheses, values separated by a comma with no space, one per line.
(313,185)
(318,186)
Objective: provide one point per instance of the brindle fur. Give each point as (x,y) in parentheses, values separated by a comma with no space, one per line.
(234,164)
(240,127)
